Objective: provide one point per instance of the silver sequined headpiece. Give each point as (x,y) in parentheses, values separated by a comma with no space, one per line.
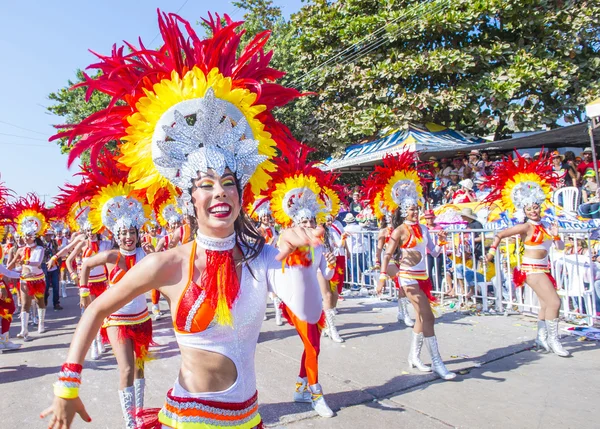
(300,204)
(405,194)
(220,138)
(122,212)
(527,193)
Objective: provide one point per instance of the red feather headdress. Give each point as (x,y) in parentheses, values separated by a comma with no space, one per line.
(151,83)
(517,183)
(31,215)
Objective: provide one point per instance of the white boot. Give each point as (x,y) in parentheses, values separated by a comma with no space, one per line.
(100,344)
(63,289)
(139,384)
(407,320)
(33,313)
(302,394)
(24,334)
(400,316)
(6,344)
(276,304)
(318,401)
(414,356)
(437,365)
(94,355)
(156,312)
(41,319)
(331,329)
(553,341)
(541,340)
(127,397)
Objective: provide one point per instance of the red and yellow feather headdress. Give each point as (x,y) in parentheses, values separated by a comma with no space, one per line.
(517,183)
(31,215)
(187,80)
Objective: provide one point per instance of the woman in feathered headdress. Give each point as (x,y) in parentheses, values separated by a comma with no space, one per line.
(403,196)
(129,329)
(31,217)
(7,303)
(523,187)
(296,200)
(374,189)
(195,116)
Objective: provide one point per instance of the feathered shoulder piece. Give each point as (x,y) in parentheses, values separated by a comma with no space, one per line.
(517,183)
(31,215)
(190,106)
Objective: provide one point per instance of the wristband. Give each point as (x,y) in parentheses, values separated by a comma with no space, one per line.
(556,238)
(383,276)
(73,276)
(330,266)
(84,291)
(2,287)
(442,243)
(492,251)
(69,380)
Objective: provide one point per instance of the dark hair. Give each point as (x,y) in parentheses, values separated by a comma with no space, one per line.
(38,241)
(569,155)
(383,223)
(116,244)
(326,237)
(247,235)
(397,218)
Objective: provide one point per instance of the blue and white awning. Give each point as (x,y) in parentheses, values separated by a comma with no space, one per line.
(433,137)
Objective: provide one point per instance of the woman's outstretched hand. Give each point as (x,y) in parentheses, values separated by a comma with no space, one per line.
(62,412)
(292,238)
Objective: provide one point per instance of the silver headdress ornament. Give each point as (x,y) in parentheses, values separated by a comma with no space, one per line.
(82,219)
(172,214)
(220,138)
(405,194)
(527,193)
(301,203)
(122,212)
(30,226)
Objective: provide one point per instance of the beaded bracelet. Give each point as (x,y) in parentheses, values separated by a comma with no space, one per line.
(383,276)
(492,251)
(73,276)
(69,380)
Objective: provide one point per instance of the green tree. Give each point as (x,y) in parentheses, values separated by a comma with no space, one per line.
(71,105)
(481,66)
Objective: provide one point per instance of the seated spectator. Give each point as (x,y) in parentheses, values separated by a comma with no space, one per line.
(487,162)
(465,194)
(589,192)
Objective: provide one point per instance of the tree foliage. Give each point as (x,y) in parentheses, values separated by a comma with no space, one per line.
(71,105)
(479,66)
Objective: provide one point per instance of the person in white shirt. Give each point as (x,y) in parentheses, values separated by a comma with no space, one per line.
(356,248)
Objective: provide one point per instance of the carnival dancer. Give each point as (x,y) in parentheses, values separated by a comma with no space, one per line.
(295,196)
(129,329)
(31,217)
(62,241)
(522,186)
(375,197)
(224,154)
(334,241)
(152,238)
(260,212)
(403,193)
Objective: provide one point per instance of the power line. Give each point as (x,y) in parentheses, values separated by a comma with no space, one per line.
(22,128)
(23,137)
(158,34)
(377,41)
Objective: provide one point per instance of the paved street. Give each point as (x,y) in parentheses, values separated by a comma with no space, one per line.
(501,382)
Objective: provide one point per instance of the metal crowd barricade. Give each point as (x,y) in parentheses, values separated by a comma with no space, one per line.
(463,270)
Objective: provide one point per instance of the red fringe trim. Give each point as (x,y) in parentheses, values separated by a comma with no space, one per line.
(426,286)
(36,288)
(97,289)
(396,282)
(519,278)
(284,313)
(141,336)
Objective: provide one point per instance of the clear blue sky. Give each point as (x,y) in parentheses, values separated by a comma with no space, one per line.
(42,43)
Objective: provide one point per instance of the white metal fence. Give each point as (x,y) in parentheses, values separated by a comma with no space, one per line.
(463,270)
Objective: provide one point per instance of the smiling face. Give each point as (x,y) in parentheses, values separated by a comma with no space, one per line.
(308,223)
(533,212)
(412,213)
(128,238)
(216,203)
